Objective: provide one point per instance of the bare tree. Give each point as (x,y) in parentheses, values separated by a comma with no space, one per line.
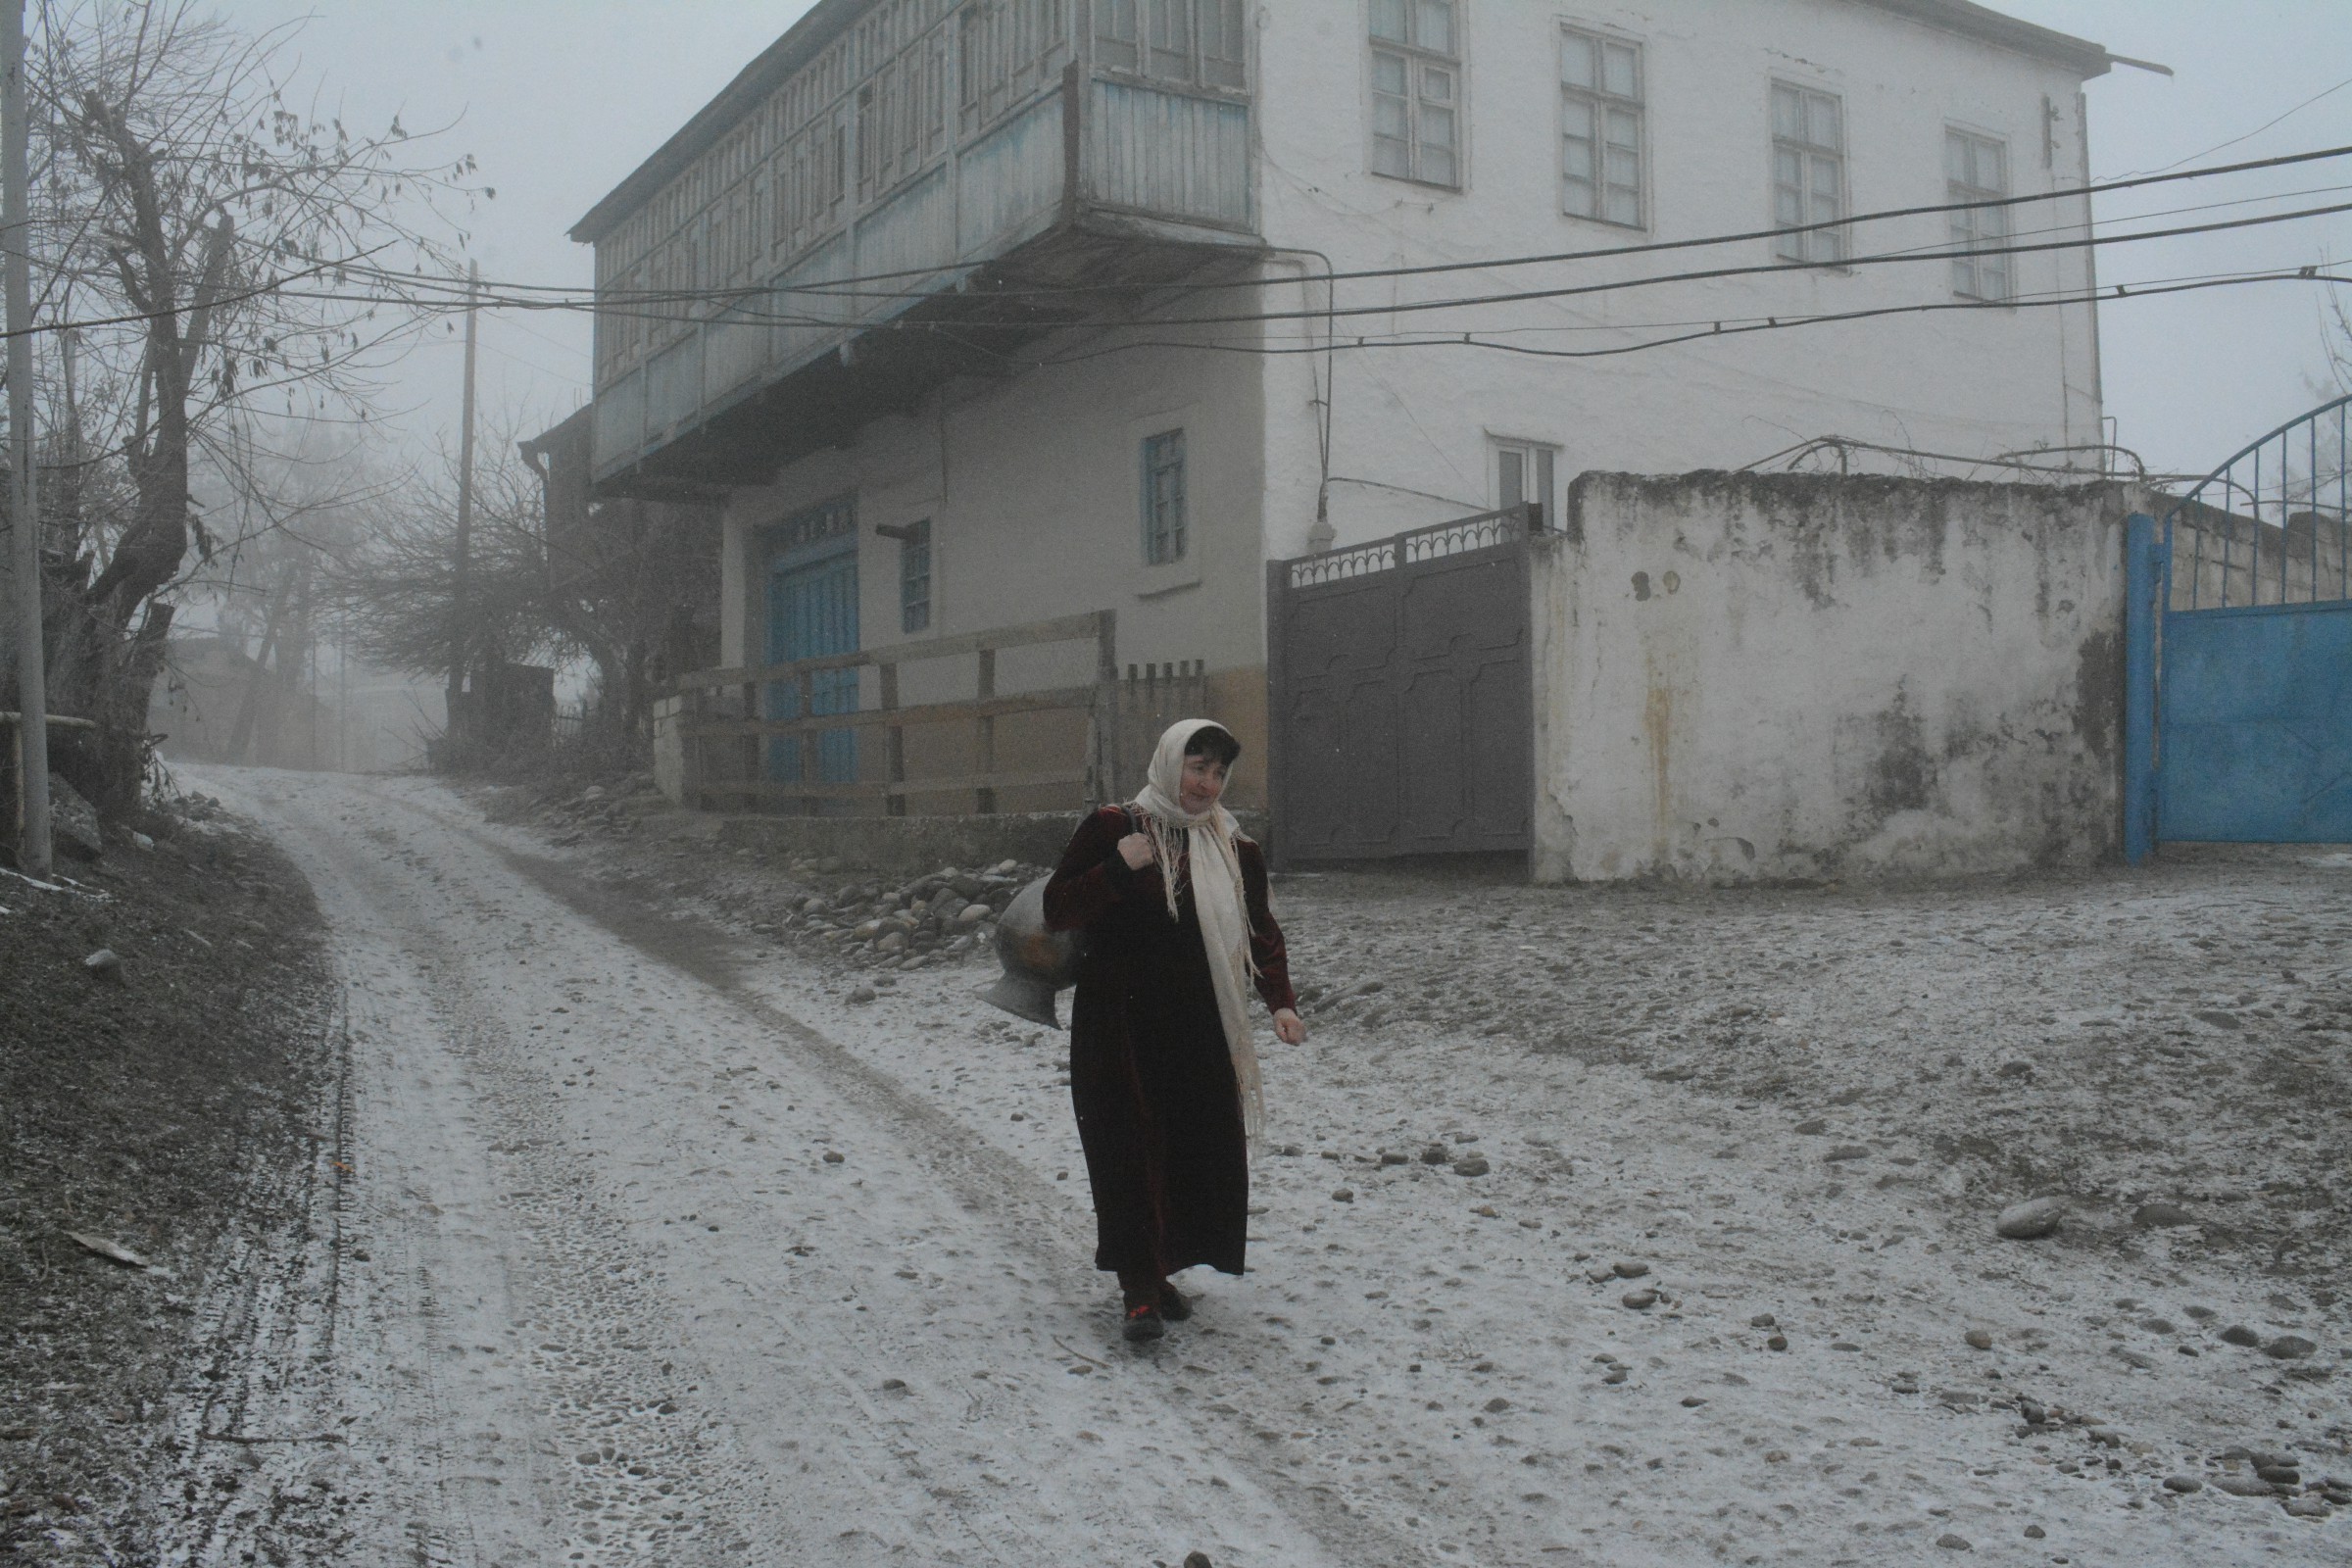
(225,252)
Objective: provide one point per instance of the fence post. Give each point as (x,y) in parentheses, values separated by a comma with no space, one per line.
(2141,611)
(1107,705)
(895,802)
(805,745)
(753,768)
(984,735)
(690,747)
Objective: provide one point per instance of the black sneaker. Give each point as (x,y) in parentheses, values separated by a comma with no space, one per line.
(1144,1323)
(1172,1303)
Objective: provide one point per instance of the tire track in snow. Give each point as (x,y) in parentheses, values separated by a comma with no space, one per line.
(916,1160)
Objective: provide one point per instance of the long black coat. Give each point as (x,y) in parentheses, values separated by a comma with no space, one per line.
(1150,1076)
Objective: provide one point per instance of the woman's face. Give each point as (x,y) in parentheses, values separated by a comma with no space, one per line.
(1203,782)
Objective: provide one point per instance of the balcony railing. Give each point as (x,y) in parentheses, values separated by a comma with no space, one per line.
(928,141)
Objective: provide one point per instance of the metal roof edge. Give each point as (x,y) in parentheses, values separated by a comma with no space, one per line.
(1988,26)
(801,42)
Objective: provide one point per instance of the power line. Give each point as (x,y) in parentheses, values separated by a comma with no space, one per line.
(1714,331)
(1566,291)
(2326,92)
(847,287)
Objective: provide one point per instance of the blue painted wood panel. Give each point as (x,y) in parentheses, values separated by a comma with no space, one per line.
(813,611)
(2255,725)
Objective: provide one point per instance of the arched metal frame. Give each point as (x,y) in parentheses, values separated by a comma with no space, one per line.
(2258,545)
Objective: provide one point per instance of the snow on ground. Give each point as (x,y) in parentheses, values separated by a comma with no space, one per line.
(664,1249)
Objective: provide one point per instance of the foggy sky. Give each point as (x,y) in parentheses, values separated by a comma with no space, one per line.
(560,99)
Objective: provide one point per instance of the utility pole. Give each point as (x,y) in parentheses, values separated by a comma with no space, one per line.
(33,675)
(452,730)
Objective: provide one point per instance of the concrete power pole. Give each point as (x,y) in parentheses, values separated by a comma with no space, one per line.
(452,729)
(33,675)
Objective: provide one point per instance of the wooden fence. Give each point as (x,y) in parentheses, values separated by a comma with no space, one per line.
(708,732)
(724,740)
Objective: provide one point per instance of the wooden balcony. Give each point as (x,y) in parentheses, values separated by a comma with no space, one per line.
(932,178)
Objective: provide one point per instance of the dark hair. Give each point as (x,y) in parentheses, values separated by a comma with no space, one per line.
(1214,742)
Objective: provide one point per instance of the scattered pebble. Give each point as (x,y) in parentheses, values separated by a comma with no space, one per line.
(2239,1333)
(1475,1165)
(2184,1484)
(1779,1341)
(834,1157)
(2159,1216)
(1978,1340)
(1763,1320)
(1342,1194)
(2289,1347)
(1629,1271)
(2030,1220)
(1951,1542)
(1640,1301)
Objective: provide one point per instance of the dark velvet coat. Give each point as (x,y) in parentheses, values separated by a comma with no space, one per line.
(1150,1076)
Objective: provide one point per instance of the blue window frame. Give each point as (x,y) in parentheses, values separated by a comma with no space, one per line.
(914,577)
(1163,498)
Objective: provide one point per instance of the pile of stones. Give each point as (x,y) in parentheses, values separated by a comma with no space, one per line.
(944,915)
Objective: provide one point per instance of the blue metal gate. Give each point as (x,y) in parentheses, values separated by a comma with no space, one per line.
(813,611)
(2238,727)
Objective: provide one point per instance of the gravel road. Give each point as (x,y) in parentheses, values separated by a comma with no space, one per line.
(654,1246)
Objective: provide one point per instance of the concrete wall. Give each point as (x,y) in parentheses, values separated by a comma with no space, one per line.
(1975,382)
(1741,677)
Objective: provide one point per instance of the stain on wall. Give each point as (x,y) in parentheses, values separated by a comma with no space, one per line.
(1763,677)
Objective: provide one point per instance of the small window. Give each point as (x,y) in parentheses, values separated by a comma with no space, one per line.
(1163,498)
(1600,129)
(1416,79)
(1808,175)
(914,577)
(1522,472)
(1976,170)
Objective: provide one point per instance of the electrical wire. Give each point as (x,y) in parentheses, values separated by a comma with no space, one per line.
(508,294)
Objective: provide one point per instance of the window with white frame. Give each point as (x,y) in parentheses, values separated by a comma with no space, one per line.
(1195,43)
(1416,91)
(1524,471)
(1163,498)
(1600,127)
(1808,175)
(1976,169)
(914,576)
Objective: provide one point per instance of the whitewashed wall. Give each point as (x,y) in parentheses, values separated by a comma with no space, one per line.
(1033,489)
(1748,679)
(1974,383)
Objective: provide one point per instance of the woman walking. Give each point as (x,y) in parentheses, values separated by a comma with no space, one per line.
(1163,1072)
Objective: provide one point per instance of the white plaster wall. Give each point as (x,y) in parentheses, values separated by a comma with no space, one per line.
(1033,489)
(1974,383)
(1743,677)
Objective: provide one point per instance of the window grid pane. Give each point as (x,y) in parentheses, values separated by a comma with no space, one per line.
(1977,171)
(1163,498)
(1601,150)
(1415,88)
(914,578)
(1808,172)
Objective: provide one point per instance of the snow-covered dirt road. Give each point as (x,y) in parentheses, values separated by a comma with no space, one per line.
(652,1245)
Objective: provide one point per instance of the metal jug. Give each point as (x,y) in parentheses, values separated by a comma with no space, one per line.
(1038,963)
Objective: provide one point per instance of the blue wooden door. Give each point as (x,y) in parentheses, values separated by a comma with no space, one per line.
(813,611)
(2256,725)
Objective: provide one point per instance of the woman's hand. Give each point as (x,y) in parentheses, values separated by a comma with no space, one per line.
(1290,1028)
(1135,850)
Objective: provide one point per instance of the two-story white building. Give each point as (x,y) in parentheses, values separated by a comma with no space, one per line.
(979,312)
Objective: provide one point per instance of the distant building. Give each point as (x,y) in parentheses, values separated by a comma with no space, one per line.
(974,314)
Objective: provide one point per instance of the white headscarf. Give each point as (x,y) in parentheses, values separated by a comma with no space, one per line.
(1218,897)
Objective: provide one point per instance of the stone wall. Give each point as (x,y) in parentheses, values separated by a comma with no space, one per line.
(1744,678)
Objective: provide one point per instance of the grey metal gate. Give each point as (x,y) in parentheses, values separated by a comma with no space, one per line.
(1399,687)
